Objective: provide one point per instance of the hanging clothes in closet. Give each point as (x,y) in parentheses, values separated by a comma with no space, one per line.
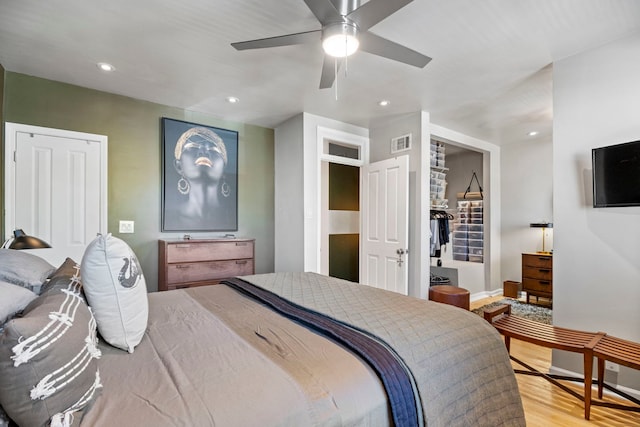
(439,231)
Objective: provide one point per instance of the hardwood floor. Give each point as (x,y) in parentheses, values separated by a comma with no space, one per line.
(547,405)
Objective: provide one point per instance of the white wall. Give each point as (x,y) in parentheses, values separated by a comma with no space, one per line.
(527,196)
(596,102)
(289,203)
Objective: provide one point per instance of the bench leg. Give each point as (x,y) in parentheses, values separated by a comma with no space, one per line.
(507,343)
(588,374)
(600,376)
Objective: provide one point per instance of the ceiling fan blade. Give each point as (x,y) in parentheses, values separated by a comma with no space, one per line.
(377,45)
(374,11)
(287,40)
(328,75)
(324,10)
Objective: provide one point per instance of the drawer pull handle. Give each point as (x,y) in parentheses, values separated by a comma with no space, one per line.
(241,262)
(544,282)
(544,270)
(182,266)
(543,258)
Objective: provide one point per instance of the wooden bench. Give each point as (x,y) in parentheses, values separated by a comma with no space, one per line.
(616,350)
(546,336)
(590,344)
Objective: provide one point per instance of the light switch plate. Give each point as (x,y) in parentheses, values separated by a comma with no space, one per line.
(126,226)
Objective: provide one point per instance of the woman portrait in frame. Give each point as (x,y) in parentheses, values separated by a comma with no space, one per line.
(200,177)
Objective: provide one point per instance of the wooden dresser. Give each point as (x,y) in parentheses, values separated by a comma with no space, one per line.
(537,275)
(185,263)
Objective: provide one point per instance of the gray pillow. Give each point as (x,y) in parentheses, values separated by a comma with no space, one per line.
(48,359)
(24,269)
(13,299)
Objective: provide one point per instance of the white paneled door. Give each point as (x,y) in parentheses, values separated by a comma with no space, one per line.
(385,224)
(56,188)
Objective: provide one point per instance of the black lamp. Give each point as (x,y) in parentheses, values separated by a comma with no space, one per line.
(542,225)
(23,241)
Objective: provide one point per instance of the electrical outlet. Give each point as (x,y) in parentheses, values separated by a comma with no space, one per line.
(126,226)
(610,366)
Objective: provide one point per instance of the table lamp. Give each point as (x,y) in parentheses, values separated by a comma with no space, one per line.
(543,225)
(23,241)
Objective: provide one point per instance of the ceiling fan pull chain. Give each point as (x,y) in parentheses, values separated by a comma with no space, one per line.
(346,58)
(335,73)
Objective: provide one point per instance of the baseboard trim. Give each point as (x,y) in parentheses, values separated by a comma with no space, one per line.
(485,294)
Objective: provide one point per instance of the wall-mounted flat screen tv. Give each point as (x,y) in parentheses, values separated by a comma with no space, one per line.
(616,175)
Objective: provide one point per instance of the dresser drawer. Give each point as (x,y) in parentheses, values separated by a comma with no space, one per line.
(208,271)
(202,251)
(534,260)
(537,285)
(197,262)
(537,273)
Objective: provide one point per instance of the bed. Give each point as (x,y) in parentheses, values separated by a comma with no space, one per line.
(294,349)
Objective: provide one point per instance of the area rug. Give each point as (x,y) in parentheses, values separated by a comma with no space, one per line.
(530,311)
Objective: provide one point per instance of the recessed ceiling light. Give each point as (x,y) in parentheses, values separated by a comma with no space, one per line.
(533,133)
(106,67)
(384,103)
(232,100)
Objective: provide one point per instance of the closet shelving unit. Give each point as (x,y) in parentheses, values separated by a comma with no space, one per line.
(468,231)
(438,176)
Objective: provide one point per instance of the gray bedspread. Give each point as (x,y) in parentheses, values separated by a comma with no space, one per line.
(460,363)
(213,357)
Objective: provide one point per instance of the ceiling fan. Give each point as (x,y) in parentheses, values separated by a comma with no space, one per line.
(345,26)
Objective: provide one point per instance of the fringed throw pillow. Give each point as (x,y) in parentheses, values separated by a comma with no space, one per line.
(48,358)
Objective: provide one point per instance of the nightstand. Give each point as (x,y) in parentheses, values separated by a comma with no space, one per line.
(537,275)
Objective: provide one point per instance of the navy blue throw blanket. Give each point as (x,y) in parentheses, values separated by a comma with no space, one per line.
(394,374)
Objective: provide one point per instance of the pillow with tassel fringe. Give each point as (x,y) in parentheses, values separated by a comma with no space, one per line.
(49,358)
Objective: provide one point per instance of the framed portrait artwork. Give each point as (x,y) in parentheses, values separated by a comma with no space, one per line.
(199,177)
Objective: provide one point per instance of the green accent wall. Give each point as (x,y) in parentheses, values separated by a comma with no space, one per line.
(134,160)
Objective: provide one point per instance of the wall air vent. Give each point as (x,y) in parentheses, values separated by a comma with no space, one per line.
(401,143)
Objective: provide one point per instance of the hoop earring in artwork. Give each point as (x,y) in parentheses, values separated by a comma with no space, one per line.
(184,186)
(225,190)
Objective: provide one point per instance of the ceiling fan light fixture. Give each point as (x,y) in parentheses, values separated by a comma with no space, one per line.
(340,40)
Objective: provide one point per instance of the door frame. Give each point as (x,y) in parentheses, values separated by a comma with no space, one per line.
(324,136)
(11,131)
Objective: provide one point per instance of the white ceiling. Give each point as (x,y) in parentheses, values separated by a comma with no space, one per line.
(490,76)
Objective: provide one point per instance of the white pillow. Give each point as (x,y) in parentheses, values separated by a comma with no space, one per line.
(116,291)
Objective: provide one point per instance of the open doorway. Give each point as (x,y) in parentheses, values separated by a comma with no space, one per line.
(457,193)
(341,156)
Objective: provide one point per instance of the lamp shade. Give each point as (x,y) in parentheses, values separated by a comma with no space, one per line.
(23,241)
(541,225)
